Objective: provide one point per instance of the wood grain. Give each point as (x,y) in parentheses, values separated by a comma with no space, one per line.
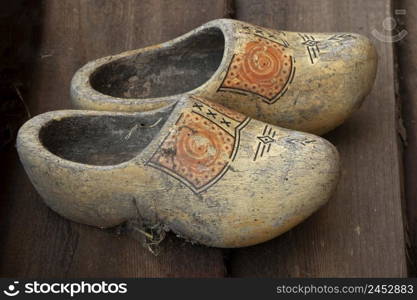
(407,61)
(36,242)
(17,51)
(360,232)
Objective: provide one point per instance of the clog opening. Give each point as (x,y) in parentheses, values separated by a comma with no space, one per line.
(101,140)
(165,71)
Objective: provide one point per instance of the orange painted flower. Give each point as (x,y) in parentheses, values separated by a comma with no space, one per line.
(262,64)
(264,69)
(197,151)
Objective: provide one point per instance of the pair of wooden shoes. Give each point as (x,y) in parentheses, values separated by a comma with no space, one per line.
(189,135)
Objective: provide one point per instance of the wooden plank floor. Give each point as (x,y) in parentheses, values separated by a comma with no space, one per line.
(36,242)
(359,233)
(407,62)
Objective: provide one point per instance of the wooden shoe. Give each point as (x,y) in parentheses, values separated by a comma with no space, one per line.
(205,172)
(304,81)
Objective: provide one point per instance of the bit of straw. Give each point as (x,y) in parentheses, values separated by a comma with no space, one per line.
(19,94)
(156,123)
(131,132)
(149,236)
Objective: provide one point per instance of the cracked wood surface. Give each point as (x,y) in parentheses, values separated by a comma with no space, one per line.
(407,80)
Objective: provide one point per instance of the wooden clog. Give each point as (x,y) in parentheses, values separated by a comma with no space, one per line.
(304,81)
(209,174)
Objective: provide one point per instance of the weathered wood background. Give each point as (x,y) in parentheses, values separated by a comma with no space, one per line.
(368,229)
